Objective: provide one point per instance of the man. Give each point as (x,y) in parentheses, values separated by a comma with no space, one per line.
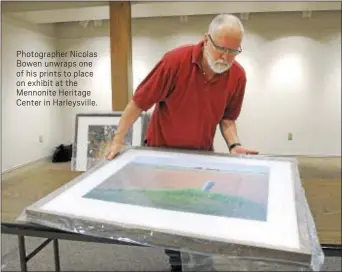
(194,88)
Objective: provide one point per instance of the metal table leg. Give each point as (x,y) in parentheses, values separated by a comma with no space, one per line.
(22,253)
(56,255)
(25,258)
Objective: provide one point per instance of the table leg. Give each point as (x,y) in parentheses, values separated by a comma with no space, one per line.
(22,253)
(56,255)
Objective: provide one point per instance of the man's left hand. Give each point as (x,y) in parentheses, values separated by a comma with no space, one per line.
(242,150)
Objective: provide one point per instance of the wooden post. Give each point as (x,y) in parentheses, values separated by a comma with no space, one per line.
(121,54)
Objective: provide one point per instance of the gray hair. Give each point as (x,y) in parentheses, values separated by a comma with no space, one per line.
(225,19)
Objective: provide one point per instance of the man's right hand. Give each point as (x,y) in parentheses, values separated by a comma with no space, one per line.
(114,149)
(129,116)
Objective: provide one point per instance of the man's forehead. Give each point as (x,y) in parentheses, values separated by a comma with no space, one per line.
(226,31)
(223,36)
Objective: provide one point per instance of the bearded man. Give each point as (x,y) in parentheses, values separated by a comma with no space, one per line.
(194,88)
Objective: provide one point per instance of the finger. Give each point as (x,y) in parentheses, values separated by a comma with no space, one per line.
(110,155)
(116,153)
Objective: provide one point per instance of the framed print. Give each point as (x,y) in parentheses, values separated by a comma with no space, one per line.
(199,201)
(93,135)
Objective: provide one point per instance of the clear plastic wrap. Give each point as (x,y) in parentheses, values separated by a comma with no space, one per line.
(248,262)
(222,212)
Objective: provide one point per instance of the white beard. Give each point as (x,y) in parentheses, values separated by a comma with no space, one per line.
(218,66)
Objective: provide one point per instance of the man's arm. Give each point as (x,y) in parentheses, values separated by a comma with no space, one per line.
(154,88)
(128,118)
(228,125)
(229,132)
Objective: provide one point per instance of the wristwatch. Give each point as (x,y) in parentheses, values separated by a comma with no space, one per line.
(234,145)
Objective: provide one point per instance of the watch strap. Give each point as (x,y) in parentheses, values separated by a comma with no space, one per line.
(234,145)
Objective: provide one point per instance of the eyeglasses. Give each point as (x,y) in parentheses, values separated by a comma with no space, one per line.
(225,49)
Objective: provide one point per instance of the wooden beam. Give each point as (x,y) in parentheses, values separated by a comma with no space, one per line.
(121,54)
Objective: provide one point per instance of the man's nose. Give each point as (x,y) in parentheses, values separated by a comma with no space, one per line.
(227,56)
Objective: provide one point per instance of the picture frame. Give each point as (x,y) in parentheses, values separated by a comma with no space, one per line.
(93,134)
(96,203)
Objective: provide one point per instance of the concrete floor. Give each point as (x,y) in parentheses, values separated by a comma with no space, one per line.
(321,178)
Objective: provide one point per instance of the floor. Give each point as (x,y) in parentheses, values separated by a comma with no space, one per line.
(77,256)
(321,179)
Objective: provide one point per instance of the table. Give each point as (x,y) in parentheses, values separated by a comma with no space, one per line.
(32,183)
(52,235)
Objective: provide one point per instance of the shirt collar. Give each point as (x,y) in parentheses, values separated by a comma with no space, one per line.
(197,52)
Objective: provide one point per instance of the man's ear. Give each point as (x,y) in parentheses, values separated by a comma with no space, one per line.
(206,39)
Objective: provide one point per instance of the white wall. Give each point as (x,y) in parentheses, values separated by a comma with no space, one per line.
(99,84)
(293,68)
(22,126)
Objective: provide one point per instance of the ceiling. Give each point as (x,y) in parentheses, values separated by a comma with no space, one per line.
(58,11)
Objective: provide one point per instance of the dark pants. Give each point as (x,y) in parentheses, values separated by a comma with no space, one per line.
(175,259)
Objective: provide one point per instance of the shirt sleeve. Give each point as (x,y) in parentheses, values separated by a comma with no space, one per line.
(234,104)
(155,87)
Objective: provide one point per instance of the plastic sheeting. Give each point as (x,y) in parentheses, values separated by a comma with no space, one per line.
(164,198)
(248,262)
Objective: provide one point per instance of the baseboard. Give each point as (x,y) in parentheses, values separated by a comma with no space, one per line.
(26,164)
(275,155)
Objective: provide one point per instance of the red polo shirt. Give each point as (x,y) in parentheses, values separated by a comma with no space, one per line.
(188,106)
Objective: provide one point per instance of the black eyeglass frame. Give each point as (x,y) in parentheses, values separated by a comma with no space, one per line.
(225,49)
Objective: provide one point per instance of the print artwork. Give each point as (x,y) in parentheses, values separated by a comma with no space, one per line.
(173,183)
(99,140)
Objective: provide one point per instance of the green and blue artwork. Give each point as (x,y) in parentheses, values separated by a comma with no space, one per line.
(196,186)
